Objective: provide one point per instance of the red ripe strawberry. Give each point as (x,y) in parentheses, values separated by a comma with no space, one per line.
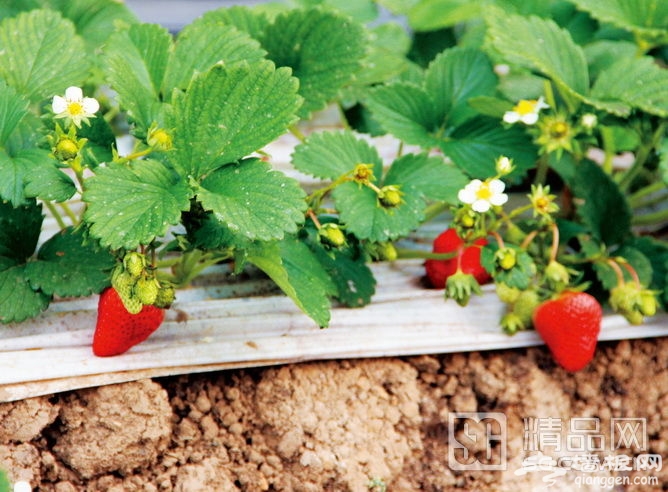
(449,242)
(570,325)
(117,330)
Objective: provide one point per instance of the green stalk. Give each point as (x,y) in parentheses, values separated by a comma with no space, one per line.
(650,218)
(636,199)
(56,215)
(642,155)
(408,253)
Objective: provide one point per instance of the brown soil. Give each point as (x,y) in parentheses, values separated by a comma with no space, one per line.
(349,426)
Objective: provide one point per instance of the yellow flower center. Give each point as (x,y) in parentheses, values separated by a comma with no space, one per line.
(75,108)
(542,203)
(559,129)
(483,193)
(526,107)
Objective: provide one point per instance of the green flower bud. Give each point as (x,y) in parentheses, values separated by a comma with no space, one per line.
(331,235)
(390,196)
(66,149)
(506,258)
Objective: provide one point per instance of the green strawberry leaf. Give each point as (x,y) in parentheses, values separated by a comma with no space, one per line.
(253,200)
(475,146)
(406,111)
(19,171)
(364,217)
(20,228)
(95,20)
(386,55)
(329,155)
(131,205)
(645,18)
(213,42)
(324,49)
(646,90)
(430,15)
(12,179)
(346,266)
(556,56)
(430,175)
(251,21)
(230,112)
(13,108)
(600,204)
(296,270)
(136,59)
(40,53)
(43,179)
(70,265)
(18,300)
(454,77)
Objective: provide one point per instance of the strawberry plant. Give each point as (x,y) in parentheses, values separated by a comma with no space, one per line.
(560,104)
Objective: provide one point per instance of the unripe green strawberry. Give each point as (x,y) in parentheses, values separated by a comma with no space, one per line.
(134,263)
(506,293)
(557,275)
(146,290)
(525,305)
(648,303)
(387,251)
(166,295)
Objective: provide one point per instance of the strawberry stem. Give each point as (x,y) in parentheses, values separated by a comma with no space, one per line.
(618,271)
(555,242)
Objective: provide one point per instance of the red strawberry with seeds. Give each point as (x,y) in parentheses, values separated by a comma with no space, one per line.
(117,330)
(569,325)
(449,241)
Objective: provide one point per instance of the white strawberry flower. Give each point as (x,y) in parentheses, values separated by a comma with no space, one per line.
(482,195)
(74,106)
(526,111)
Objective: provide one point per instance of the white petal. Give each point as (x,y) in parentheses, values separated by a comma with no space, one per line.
(541,104)
(73,94)
(59,104)
(90,105)
(498,199)
(496,186)
(480,206)
(529,118)
(511,117)
(466,196)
